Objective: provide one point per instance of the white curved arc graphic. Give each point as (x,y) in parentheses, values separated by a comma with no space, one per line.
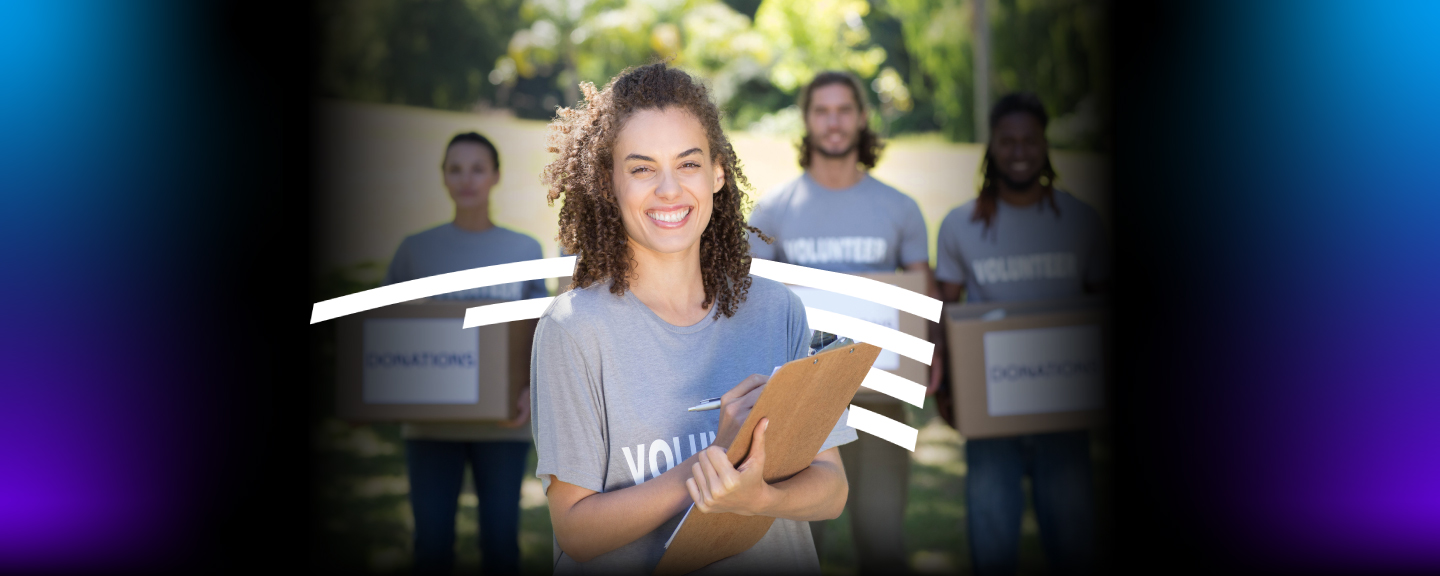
(885,428)
(860,330)
(895,386)
(442,284)
(506,312)
(856,286)
(870,332)
(850,285)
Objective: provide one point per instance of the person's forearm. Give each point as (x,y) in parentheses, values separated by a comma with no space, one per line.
(816,493)
(606,521)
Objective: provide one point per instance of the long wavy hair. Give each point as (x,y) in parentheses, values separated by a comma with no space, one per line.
(581,176)
(869,146)
(985,204)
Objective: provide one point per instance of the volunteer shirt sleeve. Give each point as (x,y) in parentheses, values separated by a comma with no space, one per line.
(949,265)
(567,415)
(914,240)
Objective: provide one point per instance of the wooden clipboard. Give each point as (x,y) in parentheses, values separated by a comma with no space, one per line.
(803,400)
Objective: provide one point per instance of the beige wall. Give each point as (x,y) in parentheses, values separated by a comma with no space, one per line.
(379,175)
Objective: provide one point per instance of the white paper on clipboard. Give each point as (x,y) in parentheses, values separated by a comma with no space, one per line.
(855,308)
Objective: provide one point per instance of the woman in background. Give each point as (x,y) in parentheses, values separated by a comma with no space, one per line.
(436,453)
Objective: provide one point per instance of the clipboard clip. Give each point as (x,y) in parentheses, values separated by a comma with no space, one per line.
(840,342)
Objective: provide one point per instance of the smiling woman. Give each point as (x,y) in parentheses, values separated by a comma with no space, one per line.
(663,313)
(590,176)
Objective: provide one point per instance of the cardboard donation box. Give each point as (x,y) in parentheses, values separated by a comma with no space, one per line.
(883,315)
(1027,367)
(413,362)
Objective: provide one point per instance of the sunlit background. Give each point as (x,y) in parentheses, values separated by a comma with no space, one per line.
(388,69)
(398,79)
(163,406)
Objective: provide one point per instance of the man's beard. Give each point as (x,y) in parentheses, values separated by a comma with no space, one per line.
(1018,184)
(854,143)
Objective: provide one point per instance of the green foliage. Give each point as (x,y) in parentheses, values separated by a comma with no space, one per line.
(432,53)
(343,281)
(916,55)
(938,36)
(722,47)
(1055,48)
(810,37)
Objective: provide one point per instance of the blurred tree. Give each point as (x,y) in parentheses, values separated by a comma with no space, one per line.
(745,8)
(900,109)
(915,55)
(1055,48)
(937,35)
(722,47)
(802,39)
(573,41)
(442,49)
(352,49)
(593,40)
(434,53)
(809,37)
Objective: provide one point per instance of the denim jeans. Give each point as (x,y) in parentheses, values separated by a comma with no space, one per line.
(1061,485)
(437,469)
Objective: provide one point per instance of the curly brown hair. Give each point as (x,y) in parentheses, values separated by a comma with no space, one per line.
(869,145)
(590,224)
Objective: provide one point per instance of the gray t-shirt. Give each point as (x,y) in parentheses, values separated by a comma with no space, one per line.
(447,248)
(868,227)
(1028,253)
(610,384)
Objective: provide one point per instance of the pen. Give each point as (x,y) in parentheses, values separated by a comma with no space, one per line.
(714,403)
(706,404)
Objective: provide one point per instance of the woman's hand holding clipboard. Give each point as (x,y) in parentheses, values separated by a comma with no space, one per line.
(800,404)
(716,485)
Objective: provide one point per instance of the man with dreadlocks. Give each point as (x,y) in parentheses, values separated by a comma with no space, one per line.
(1022,239)
(837,217)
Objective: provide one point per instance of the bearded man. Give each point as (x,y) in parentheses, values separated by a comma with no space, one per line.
(837,217)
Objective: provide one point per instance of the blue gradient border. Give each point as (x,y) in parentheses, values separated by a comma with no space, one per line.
(1294,212)
(111,430)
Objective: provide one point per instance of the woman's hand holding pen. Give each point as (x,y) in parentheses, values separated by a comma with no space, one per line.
(735,407)
(716,486)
